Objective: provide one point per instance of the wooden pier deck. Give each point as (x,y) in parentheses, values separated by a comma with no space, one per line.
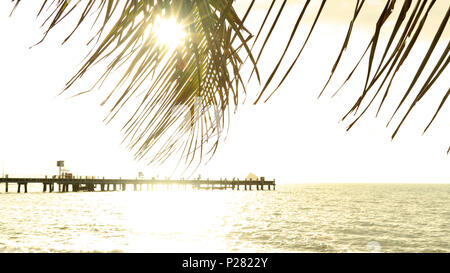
(102,184)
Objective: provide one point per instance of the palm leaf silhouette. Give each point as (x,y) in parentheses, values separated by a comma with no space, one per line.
(203,77)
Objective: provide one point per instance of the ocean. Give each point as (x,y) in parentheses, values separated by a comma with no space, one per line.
(294,218)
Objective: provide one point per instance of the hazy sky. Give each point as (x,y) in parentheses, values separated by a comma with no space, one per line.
(294,137)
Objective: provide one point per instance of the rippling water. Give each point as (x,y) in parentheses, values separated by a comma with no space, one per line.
(295,218)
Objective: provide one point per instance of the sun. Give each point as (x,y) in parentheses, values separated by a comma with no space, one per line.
(168,32)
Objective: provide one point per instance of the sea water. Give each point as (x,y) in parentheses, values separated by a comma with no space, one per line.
(294,218)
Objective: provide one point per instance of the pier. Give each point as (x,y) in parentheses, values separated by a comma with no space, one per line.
(101,184)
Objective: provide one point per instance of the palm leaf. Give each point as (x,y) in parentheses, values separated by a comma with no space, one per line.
(187,92)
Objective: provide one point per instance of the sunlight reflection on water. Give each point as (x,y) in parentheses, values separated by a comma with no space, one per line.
(311,218)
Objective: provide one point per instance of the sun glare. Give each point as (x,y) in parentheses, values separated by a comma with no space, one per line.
(168,32)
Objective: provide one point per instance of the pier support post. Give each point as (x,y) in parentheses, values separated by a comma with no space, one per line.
(6,187)
(107,187)
(114,187)
(18,187)
(245,187)
(44,187)
(26,187)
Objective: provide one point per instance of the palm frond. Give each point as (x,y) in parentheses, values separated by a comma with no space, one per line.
(393,56)
(188,91)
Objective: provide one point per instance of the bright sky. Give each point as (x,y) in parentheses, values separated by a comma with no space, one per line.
(294,137)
